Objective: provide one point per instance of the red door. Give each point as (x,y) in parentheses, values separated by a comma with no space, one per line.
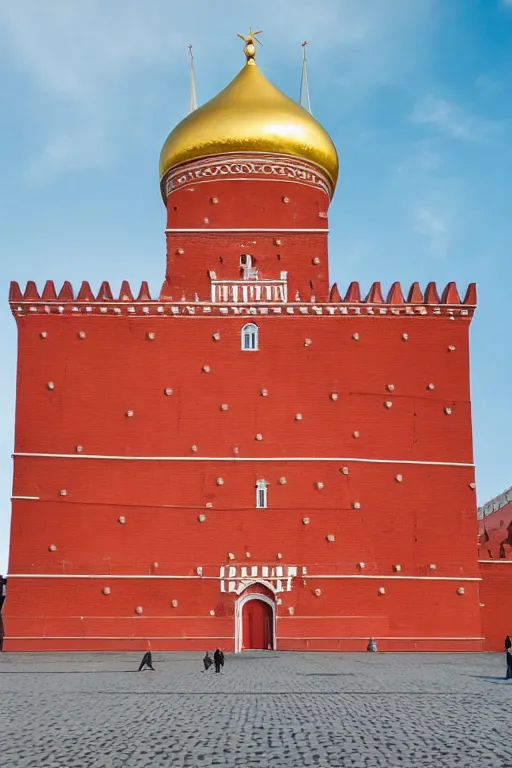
(257,625)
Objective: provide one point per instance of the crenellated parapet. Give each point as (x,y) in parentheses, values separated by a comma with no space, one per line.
(374,302)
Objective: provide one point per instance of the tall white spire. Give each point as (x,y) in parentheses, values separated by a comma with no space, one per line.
(193,90)
(304,84)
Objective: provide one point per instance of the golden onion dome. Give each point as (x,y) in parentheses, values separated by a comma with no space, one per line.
(250,115)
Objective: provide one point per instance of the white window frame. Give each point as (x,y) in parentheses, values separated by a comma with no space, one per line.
(251,331)
(261,494)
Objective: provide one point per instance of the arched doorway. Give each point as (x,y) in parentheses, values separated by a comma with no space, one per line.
(257,625)
(255,619)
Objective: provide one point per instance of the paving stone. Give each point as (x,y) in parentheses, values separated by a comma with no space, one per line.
(265,710)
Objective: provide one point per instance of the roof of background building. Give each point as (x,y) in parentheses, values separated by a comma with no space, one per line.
(493,505)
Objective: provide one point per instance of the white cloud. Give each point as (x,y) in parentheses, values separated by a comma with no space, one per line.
(453,120)
(87,60)
(433,226)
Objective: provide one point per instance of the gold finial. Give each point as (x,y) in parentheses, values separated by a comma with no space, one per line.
(250,48)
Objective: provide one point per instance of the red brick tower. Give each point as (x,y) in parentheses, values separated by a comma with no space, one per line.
(248,460)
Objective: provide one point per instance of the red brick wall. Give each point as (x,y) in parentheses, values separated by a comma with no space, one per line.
(429,517)
(496,603)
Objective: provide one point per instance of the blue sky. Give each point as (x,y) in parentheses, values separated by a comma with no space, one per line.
(417,96)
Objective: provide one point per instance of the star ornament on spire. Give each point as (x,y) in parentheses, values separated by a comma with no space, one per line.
(250,48)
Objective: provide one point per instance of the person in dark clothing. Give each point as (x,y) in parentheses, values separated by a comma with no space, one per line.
(218,659)
(147,661)
(508,652)
(207,661)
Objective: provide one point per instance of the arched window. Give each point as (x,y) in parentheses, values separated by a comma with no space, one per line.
(261,494)
(250,337)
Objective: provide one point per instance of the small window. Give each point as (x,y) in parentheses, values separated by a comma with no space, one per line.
(250,337)
(261,494)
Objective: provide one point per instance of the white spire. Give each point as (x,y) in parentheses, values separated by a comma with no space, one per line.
(304,85)
(193,90)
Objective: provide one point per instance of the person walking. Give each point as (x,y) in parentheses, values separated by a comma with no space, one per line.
(508,652)
(218,659)
(207,662)
(147,661)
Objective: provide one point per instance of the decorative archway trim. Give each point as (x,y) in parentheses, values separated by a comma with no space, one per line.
(239,605)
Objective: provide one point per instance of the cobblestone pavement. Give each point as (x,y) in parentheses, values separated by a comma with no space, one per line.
(265,709)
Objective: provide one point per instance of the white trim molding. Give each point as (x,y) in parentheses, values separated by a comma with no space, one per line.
(239,628)
(247,580)
(272,230)
(495,562)
(231,459)
(24,498)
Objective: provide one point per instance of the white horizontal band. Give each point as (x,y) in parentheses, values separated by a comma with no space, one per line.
(25,498)
(108,576)
(237,458)
(496,562)
(274,230)
(107,637)
(219,637)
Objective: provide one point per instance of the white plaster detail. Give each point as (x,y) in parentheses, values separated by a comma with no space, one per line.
(121,519)
(82,334)
(259,437)
(209,504)
(460,591)
(279,556)
(431,386)
(319,485)
(212,613)
(397,568)
(355,336)
(24,454)
(282,481)
(356,505)
(129,414)
(63,492)
(451,348)
(264,392)
(472,486)
(43,334)
(206,220)
(199,570)
(398,478)
(216,336)
(298,417)
(361,566)
(305,521)
(286,199)
(52,548)
(433,567)
(390,387)
(334,396)
(235,449)
(139,609)
(316,261)
(247,554)
(79,449)
(194,448)
(206,369)
(179,251)
(405,336)
(106,590)
(220,481)
(291,610)
(307,342)
(448,410)
(151,336)
(174,603)
(50,385)
(201,518)
(382,591)
(330,537)
(231,556)
(214,200)
(355,434)
(224,407)
(317,592)
(344,470)
(168,392)
(388,404)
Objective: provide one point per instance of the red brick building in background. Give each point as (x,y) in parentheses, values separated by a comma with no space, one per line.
(249,459)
